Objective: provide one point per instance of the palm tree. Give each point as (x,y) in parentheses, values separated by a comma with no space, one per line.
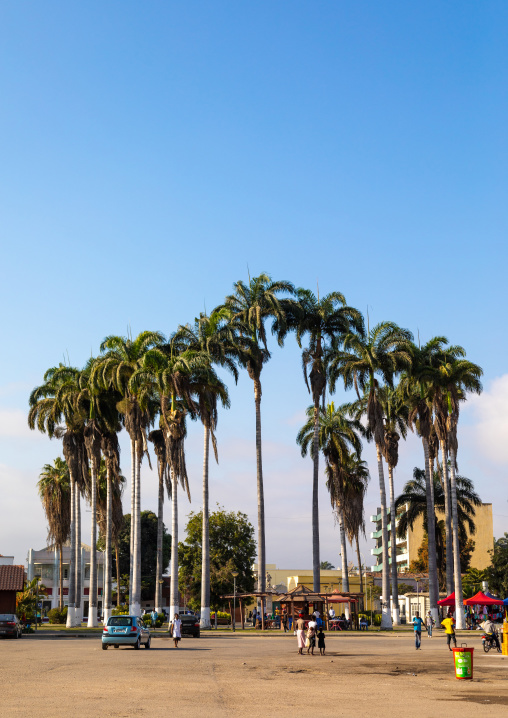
(111,451)
(337,436)
(54,490)
(356,478)
(396,414)
(324,321)
(249,307)
(159,445)
(51,403)
(122,358)
(383,352)
(415,386)
(116,520)
(454,377)
(413,503)
(212,336)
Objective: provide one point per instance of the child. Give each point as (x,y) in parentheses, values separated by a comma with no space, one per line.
(321,641)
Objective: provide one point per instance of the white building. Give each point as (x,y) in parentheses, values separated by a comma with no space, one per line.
(402,544)
(46,564)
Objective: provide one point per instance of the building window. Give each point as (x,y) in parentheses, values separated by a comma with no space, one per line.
(66,573)
(43,571)
(87,572)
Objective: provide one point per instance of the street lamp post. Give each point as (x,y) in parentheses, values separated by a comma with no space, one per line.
(233,617)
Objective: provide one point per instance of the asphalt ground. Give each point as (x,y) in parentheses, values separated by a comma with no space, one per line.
(361,675)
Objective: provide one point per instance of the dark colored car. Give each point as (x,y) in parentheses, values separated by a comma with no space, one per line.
(190,626)
(125,630)
(10,625)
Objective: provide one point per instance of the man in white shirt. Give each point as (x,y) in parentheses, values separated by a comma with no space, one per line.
(331,613)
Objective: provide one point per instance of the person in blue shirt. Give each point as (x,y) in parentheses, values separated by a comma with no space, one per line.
(417,625)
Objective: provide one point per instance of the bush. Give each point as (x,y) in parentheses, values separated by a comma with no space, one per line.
(120,611)
(55,615)
(147,618)
(377,619)
(223,618)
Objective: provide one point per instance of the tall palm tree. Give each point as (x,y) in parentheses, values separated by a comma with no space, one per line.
(212,336)
(111,451)
(413,503)
(382,352)
(122,357)
(250,306)
(54,491)
(50,404)
(116,519)
(395,411)
(415,386)
(355,487)
(454,377)
(322,320)
(159,444)
(338,435)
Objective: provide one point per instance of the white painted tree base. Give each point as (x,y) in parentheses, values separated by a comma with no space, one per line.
(396,616)
(435,615)
(172,611)
(73,617)
(386,620)
(204,621)
(136,609)
(107,614)
(159,609)
(92,617)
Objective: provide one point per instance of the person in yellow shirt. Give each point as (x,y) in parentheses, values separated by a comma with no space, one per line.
(449,626)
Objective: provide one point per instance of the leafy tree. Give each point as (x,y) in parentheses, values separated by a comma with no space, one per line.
(405,588)
(326,566)
(148,555)
(232,548)
(498,570)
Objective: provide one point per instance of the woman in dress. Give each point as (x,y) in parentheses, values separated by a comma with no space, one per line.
(177,629)
(300,633)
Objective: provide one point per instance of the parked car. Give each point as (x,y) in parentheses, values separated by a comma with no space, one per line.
(190,626)
(10,625)
(125,631)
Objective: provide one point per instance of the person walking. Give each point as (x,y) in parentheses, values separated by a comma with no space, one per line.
(321,641)
(285,620)
(300,633)
(311,639)
(449,626)
(417,626)
(177,629)
(429,623)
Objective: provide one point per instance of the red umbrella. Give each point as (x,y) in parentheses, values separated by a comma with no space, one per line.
(481,599)
(448,601)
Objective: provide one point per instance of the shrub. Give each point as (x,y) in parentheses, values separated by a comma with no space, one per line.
(377,619)
(147,618)
(120,611)
(55,615)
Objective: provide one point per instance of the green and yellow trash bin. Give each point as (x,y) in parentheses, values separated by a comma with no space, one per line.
(463,660)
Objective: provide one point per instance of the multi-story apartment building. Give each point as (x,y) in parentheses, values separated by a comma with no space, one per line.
(407,546)
(46,564)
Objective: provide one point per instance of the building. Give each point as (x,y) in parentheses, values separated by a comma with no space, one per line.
(407,547)
(12,579)
(46,564)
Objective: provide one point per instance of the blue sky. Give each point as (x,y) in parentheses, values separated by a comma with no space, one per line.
(151,152)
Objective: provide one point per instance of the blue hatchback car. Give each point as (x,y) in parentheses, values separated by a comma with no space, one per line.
(125,631)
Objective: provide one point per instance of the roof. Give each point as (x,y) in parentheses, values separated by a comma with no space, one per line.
(12,578)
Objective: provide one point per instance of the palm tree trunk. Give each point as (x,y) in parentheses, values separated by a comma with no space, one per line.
(360,572)
(386,619)
(117,559)
(205,542)
(160,524)
(92,591)
(459,606)
(261,498)
(79,591)
(174,607)
(107,578)
(61,604)
(133,503)
(316,569)
(448,521)
(136,572)
(393,551)
(343,549)
(71,606)
(431,533)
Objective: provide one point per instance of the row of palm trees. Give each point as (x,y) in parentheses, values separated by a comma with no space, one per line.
(135,383)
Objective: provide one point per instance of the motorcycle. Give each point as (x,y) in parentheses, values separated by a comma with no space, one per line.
(489,641)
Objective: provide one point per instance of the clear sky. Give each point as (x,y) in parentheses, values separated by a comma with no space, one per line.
(151,152)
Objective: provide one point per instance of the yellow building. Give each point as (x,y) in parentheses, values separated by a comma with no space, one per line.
(407,547)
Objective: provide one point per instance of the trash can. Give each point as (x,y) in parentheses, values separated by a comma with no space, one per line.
(463,659)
